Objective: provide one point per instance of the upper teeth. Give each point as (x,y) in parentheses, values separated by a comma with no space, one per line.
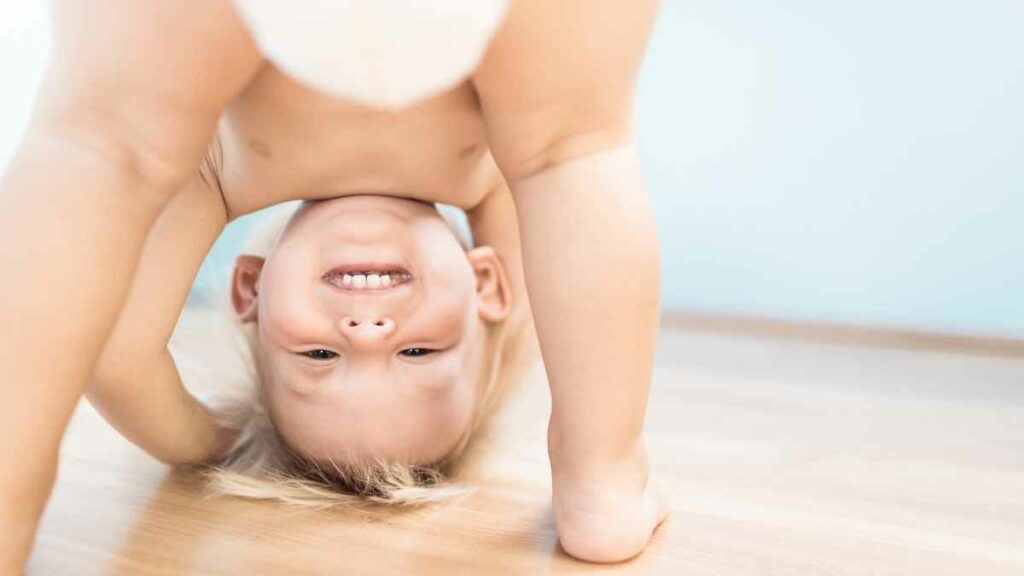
(371,280)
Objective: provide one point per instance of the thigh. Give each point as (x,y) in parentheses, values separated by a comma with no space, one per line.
(558,80)
(152,75)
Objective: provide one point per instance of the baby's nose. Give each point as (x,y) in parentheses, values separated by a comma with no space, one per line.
(367,329)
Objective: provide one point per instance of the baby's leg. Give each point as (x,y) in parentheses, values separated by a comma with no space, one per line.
(557,89)
(130,99)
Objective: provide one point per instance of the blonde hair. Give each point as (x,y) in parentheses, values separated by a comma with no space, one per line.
(261,465)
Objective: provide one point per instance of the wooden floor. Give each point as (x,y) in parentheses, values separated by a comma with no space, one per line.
(785,458)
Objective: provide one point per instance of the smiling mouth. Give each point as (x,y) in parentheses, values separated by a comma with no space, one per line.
(367,279)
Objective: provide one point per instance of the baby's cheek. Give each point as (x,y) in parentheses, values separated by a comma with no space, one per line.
(448,417)
(287,316)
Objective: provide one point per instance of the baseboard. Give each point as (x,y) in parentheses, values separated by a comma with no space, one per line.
(847,334)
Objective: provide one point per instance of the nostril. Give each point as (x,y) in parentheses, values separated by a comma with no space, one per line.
(352,323)
(379,323)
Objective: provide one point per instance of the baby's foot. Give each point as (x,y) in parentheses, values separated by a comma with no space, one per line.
(607,512)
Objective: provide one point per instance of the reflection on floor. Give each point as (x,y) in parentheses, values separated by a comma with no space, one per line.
(785,458)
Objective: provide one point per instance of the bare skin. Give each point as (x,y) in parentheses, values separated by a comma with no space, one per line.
(120,133)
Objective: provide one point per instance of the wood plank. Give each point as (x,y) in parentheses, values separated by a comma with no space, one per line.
(849,334)
(786,458)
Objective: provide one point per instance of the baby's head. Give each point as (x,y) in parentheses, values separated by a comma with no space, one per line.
(378,341)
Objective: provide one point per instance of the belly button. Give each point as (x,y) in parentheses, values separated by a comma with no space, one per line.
(260,148)
(468,151)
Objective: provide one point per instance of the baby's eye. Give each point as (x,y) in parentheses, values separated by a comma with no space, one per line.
(416,352)
(320,354)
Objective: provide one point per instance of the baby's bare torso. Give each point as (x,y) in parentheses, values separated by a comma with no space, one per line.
(281,141)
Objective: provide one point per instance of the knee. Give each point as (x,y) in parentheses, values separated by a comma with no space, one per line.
(153,145)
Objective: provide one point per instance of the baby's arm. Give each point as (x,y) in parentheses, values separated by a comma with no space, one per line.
(135,384)
(493,223)
(131,97)
(557,93)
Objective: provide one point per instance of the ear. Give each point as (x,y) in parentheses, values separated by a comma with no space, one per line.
(245,286)
(494,296)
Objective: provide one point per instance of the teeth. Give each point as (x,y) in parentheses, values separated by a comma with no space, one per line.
(372,280)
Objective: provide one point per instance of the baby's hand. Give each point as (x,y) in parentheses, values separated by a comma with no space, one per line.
(606,511)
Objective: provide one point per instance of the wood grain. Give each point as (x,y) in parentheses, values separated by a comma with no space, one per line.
(987,344)
(785,457)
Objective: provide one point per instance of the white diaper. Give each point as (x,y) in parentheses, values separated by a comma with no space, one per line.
(385,53)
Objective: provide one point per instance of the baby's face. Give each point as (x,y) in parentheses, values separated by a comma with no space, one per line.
(371,331)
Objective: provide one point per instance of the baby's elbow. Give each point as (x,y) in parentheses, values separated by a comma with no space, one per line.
(184,460)
(192,455)
(177,461)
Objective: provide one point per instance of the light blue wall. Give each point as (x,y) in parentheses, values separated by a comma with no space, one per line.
(850,161)
(828,160)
